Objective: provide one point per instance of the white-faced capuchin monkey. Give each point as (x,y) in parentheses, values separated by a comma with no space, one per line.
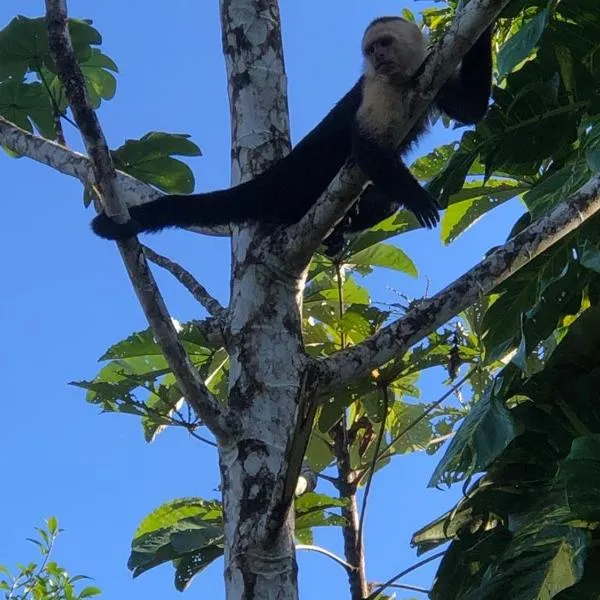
(362,125)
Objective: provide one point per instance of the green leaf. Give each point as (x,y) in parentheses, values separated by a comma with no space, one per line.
(451,180)
(590,256)
(520,46)
(406,419)
(311,511)
(428,166)
(174,530)
(559,296)
(100,83)
(544,196)
(502,320)
(581,472)
(579,350)
(384,255)
(150,159)
(475,200)
(188,566)
(26,104)
(484,435)
(89,592)
(319,453)
(542,560)
(312,500)
(24,45)
(401,222)
(52,523)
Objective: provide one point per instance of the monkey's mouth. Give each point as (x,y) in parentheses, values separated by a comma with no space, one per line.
(384,67)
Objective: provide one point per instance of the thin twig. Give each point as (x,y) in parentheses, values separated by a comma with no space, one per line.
(201,438)
(331,555)
(191,284)
(404,586)
(207,407)
(56,112)
(329,478)
(363,509)
(426,412)
(395,578)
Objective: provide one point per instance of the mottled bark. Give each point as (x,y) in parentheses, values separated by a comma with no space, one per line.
(267,359)
(347,486)
(272,383)
(206,406)
(426,315)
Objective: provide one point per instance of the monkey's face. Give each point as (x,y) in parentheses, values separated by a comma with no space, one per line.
(393,47)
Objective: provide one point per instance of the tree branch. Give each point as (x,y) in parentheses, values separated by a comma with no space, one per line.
(191,284)
(395,578)
(72,163)
(426,315)
(468,25)
(206,406)
(334,557)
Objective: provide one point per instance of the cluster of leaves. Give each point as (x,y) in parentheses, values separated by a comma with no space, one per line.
(527,527)
(46,580)
(539,141)
(30,92)
(189,533)
(136,364)
(136,380)
(338,312)
(32,97)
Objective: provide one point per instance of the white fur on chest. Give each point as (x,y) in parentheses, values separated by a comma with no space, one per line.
(380,113)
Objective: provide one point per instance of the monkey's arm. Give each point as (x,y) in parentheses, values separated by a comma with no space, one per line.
(394,186)
(282,194)
(466,94)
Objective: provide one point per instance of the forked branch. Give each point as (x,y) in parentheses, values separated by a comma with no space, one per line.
(206,406)
(394,340)
(468,25)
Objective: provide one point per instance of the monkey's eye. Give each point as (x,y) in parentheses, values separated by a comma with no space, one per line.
(386,41)
(370,49)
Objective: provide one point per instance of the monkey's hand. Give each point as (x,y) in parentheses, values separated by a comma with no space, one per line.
(106,228)
(423,205)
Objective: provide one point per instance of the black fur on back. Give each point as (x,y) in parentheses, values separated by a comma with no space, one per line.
(285,191)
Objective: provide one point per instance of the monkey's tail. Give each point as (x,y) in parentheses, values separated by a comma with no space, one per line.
(280,195)
(234,205)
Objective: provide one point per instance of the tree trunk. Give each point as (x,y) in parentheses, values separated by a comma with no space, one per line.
(266,353)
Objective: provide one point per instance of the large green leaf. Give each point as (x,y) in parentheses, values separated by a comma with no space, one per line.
(475,200)
(483,436)
(24,45)
(150,159)
(521,45)
(176,529)
(581,472)
(383,255)
(451,180)
(540,562)
(25,105)
(313,510)
(545,195)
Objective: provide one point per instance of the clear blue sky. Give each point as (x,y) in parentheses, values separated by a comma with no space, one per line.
(65,298)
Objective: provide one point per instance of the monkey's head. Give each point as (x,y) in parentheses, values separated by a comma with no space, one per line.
(393,46)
